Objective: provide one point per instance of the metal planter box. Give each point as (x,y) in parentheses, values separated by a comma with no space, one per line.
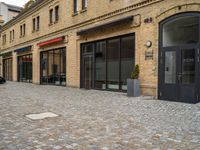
(133,88)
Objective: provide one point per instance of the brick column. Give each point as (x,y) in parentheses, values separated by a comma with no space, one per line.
(15,67)
(36,65)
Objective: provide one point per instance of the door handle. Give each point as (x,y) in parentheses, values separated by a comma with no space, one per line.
(179,77)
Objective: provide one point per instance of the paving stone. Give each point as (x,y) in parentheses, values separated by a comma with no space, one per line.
(90,119)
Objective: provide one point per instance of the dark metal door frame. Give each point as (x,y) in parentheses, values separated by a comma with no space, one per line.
(161,59)
(82,71)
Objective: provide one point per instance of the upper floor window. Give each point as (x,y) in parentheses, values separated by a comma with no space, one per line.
(34,28)
(10,36)
(4,39)
(56,13)
(38,22)
(51,16)
(13,34)
(22,30)
(75,6)
(84,4)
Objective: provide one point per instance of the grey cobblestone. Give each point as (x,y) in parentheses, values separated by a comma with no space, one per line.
(93,120)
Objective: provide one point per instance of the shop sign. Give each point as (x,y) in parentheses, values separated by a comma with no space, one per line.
(148,55)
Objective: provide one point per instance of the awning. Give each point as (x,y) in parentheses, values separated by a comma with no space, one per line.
(23,49)
(107,25)
(51,41)
(6,54)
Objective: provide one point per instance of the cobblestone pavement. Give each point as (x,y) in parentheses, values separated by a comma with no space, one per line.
(93,120)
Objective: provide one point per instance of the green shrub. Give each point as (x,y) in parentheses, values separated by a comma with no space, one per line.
(136,72)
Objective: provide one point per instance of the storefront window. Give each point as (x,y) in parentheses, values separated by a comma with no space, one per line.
(53,67)
(127,61)
(25,68)
(7,69)
(100,65)
(113,61)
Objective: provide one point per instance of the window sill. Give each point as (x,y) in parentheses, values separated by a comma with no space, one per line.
(83,10)
(22,36)
(74,14)
(50,24)
(56,22)
(35,30)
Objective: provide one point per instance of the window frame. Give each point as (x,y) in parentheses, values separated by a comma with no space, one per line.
(75,6)
(51,16)
(57,10)
(37,23)
(84,4)
(34,24)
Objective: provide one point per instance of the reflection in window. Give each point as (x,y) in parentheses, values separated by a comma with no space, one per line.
(7,69)
(188,66)
(127,59)
(113,63)
(100,65)
(170,67)
(184,30)
(25,68)
(53,67)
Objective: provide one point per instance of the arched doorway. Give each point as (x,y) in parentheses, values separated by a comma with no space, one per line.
(179,67)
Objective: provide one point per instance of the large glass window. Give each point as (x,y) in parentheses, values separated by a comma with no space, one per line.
(127,61)
(181,31)
(100,65)
(53,67)
(113,62)
(7,69)
(170,67)
(25,68)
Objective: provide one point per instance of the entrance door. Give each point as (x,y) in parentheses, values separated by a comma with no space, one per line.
(187,75)
(180,72)
(179,68)
(25,68)
(88,72)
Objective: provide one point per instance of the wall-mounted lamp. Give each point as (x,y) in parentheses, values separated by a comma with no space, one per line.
(148,44)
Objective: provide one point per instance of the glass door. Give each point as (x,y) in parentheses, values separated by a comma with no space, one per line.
(88,71)
(187,75)
(180,75)
(25,68)
(179,67)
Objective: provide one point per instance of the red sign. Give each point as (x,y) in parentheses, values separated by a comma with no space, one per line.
(50,41)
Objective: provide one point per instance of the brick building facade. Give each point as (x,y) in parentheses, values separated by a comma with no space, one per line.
(95,44)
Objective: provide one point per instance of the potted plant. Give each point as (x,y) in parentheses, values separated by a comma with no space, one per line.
(133,84)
